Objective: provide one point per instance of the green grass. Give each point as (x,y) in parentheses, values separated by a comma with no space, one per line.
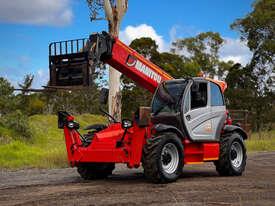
(46,149)
(264,141)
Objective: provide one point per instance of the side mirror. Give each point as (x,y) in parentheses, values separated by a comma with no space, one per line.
(126,123)
(103,98)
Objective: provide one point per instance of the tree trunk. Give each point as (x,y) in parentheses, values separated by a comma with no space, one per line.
(114,93)
(114,14)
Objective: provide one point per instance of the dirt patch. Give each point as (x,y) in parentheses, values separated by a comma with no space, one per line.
(199,185)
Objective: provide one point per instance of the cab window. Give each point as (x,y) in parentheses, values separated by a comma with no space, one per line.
(198,95)
(216,95)
(167,97)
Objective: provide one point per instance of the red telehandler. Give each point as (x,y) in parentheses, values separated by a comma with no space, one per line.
(187,123)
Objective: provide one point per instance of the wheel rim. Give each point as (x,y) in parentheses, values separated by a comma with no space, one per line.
(169,158)
(236,154)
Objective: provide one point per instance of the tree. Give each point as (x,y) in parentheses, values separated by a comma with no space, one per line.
(6,96)
(242,94)
(26,84)
(24,99)
(201,50)
(76,102)
(114,12)
(258,29)
(240,91)
(145,46)
(174,65)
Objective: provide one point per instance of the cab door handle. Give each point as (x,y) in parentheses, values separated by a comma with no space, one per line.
(188,117)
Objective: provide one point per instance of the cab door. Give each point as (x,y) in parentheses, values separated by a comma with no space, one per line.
(202,120)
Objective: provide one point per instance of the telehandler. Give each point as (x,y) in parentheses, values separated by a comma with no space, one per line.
(187,123)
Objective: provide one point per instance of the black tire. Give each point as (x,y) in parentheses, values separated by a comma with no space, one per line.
(225,166)
(153,158)
(89,171)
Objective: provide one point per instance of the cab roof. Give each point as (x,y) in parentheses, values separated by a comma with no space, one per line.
(221,84)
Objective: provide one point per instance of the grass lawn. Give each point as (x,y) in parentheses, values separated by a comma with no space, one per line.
(47,149)
(265,141)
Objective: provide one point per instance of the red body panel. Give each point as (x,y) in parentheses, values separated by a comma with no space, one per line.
(104,147)
(200,152)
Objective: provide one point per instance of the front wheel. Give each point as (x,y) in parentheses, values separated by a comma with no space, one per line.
(163,158)
(232,160)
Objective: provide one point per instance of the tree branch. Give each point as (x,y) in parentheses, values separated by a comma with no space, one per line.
(122,6)
(108,11)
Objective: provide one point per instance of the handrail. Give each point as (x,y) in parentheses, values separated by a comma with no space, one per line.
(67,47)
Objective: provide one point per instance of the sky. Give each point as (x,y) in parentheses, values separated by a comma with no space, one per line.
(28,26)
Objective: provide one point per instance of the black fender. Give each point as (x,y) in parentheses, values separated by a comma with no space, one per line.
(235,128)
(168,128)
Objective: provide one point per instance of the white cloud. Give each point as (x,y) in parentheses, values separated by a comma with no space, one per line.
(178,31)
(41,78)
(37,12)
(143,30)
(235,50)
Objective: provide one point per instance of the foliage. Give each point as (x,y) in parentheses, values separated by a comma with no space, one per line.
(76,101)
(26,84)
(258,29)
(174,65)
(145,46)
(6,96)
(18,123)
(240,90)
(243,94)
(36,105)
(201,50)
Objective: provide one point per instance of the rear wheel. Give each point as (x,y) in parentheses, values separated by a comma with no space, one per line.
(163,158)
(232,160)
(90,171)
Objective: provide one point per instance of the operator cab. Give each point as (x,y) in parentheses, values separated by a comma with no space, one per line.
(194,106)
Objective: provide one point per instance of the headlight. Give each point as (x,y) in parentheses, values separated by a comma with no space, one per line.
(126,123)
(71,125)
